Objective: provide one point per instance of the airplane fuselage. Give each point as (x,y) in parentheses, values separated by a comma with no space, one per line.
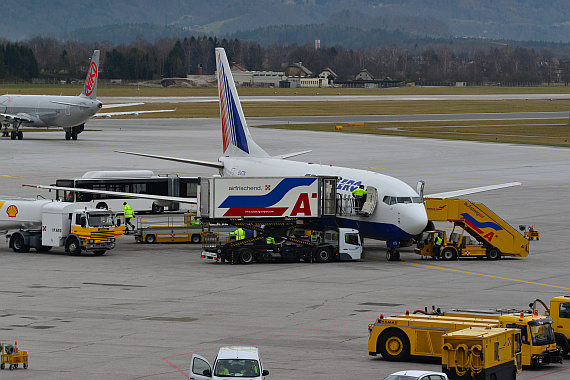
(394,222)
(49,111)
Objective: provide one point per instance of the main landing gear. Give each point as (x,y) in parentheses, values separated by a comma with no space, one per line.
(393,254)
(15,133)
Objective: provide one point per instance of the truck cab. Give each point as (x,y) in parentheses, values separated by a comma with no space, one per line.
(560,314)
(347,242)
(232,361)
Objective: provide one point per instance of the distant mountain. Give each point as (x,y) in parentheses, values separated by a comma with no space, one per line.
(546,20)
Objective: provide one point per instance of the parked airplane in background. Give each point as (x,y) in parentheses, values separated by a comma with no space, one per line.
(67,112)
(398,216)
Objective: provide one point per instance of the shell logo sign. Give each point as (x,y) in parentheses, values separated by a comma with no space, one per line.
(12,211)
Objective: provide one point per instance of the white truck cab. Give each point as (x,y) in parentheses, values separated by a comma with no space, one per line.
(232,362)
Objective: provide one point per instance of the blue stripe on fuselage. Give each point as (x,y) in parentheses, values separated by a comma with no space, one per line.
(373,230)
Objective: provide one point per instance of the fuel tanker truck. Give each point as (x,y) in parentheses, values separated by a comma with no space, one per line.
(42,224)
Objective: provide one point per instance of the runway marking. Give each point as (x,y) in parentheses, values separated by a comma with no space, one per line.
(256,340)
(11,176)
(546,374)
(478,274)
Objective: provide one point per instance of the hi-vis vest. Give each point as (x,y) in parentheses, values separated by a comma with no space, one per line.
(240,234)
(129,211)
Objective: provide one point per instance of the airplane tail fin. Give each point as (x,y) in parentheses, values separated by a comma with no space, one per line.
(236,138)
(90,88)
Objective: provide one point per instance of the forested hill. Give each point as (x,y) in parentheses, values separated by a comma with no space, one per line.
(547,20)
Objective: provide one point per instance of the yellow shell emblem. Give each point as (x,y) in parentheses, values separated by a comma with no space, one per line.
(12,211)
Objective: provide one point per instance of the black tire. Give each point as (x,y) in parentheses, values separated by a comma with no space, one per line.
(73,134)
(394,345)
(562,344)
(18,244)
(323,255)
(150,238)
(2,366)
(20,135)
(99,252)
(72,247)
(449,254)
(43,248)
(102,206)
(393,255)
(493,253)
(25,365)
(156,209)
(67,135)
(246,256)
(196,238)
(13,135)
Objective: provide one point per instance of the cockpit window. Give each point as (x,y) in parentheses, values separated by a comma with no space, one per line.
(393,200)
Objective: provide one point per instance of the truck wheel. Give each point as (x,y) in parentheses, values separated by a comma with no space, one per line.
(18,245)
(156,209)
(196,238)
(150,238)
(493,254)
(394,345)
(323,255)
(246,256)
(449,254)
(72,247)
(562,344)
(43,248)
(99,252)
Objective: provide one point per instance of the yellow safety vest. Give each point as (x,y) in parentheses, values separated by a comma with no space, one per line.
(129,213)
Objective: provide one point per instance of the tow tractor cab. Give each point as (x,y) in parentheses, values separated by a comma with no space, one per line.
(232,361)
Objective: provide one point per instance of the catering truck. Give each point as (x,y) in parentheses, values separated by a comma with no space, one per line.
(42,224)
(292,219)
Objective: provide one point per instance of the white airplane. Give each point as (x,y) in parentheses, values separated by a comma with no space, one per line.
(398,216)
(67,112)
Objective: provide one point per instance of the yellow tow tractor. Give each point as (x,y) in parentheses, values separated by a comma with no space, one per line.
(12,356)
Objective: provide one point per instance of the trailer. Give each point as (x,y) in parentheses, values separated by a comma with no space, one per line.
(483,353)
(10,355)
(487,235)
(292,219)
(188,232)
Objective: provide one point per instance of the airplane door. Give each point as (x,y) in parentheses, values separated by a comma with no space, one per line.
(67,110)
(37,109)
(197,367)
(370,203)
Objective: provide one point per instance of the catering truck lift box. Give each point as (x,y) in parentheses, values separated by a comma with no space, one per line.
(493,237)
(399,337)
(281,209)
(43,224)
(482,353)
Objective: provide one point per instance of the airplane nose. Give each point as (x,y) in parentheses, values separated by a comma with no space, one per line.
(415,220)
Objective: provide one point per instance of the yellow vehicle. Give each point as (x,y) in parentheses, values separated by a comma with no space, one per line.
(482,353)
(190,232)
(399,337)
(559,311)
(12,356)
(529,232)
(487,234)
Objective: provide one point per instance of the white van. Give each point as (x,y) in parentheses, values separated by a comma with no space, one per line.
(232,362)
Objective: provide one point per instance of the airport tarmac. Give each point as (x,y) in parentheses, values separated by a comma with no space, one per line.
(140,311)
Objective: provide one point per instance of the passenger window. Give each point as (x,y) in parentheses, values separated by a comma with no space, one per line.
(565,310)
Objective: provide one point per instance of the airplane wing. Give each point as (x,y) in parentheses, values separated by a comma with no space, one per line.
(289,155)
(108,115)
(70,104)
(473,190)
(118,193)
(217,165)
(116,105)
(19,116)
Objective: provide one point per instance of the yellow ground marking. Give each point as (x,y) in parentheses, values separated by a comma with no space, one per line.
(11,176)
(478,274)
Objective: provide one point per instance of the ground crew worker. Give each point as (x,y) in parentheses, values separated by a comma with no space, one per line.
(239,234)
(129,214)
(270,240)
(250,370)
(359,194)
(437,245)
(194,221)
(222,370)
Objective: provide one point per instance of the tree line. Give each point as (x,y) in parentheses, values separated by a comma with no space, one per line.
(174,57)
